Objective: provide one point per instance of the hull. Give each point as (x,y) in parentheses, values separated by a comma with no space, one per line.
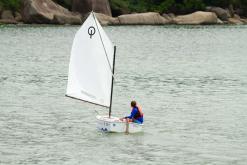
(113,124)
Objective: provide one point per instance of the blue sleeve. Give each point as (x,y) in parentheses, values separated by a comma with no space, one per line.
(133,113)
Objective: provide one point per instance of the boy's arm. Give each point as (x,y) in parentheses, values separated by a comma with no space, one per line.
(133,113)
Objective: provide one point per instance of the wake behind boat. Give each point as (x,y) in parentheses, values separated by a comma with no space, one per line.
(91,73)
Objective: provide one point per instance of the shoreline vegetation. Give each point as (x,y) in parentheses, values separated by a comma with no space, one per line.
(124,12)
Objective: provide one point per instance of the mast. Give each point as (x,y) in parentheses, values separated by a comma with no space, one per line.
(115,48)
(108,63)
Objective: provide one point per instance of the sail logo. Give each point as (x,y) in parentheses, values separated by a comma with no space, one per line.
(91,31)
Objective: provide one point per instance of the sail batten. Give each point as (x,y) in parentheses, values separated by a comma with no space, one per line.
(91,56)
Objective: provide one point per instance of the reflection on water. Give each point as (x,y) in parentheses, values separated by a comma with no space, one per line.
(190,81)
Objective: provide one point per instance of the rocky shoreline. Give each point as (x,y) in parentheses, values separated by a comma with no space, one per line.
(49,12)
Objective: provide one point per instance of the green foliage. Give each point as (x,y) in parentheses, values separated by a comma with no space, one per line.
(127,6)
(160,6)
(116,4)
(166,5)
(223,3)
(188,6)
(119,7)
(244,7)
(10,4)
(194,5)
(139,6)
(177,6)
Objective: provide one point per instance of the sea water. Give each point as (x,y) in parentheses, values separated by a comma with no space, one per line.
(191,82)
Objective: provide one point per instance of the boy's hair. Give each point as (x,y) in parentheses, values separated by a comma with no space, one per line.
(133,103)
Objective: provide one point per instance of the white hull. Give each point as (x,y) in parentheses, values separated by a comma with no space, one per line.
(113,124)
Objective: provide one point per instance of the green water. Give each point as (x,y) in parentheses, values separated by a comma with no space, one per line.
(190,80)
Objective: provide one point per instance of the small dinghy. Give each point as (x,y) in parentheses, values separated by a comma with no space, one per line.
(113,124)
(91,73)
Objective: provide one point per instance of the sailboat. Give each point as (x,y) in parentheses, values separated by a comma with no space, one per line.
(91,74)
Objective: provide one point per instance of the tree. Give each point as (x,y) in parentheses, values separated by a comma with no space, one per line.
(10,4)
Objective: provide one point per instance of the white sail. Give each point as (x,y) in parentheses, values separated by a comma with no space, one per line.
(91,64)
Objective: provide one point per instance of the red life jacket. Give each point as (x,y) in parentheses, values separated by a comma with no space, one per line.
(139,114)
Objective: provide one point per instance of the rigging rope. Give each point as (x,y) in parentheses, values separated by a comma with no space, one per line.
(103,46)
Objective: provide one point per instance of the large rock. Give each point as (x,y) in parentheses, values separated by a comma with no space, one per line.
(219,21)
(8,21)
(85,6)
(166,16)
(7,14)
(106,20)
(236,16)
(18,16)
(235,21)
(150,18)
(221,13)
(244,21)
(197,18)
(46,11)
(239,11)
(171,15)
(231,10)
